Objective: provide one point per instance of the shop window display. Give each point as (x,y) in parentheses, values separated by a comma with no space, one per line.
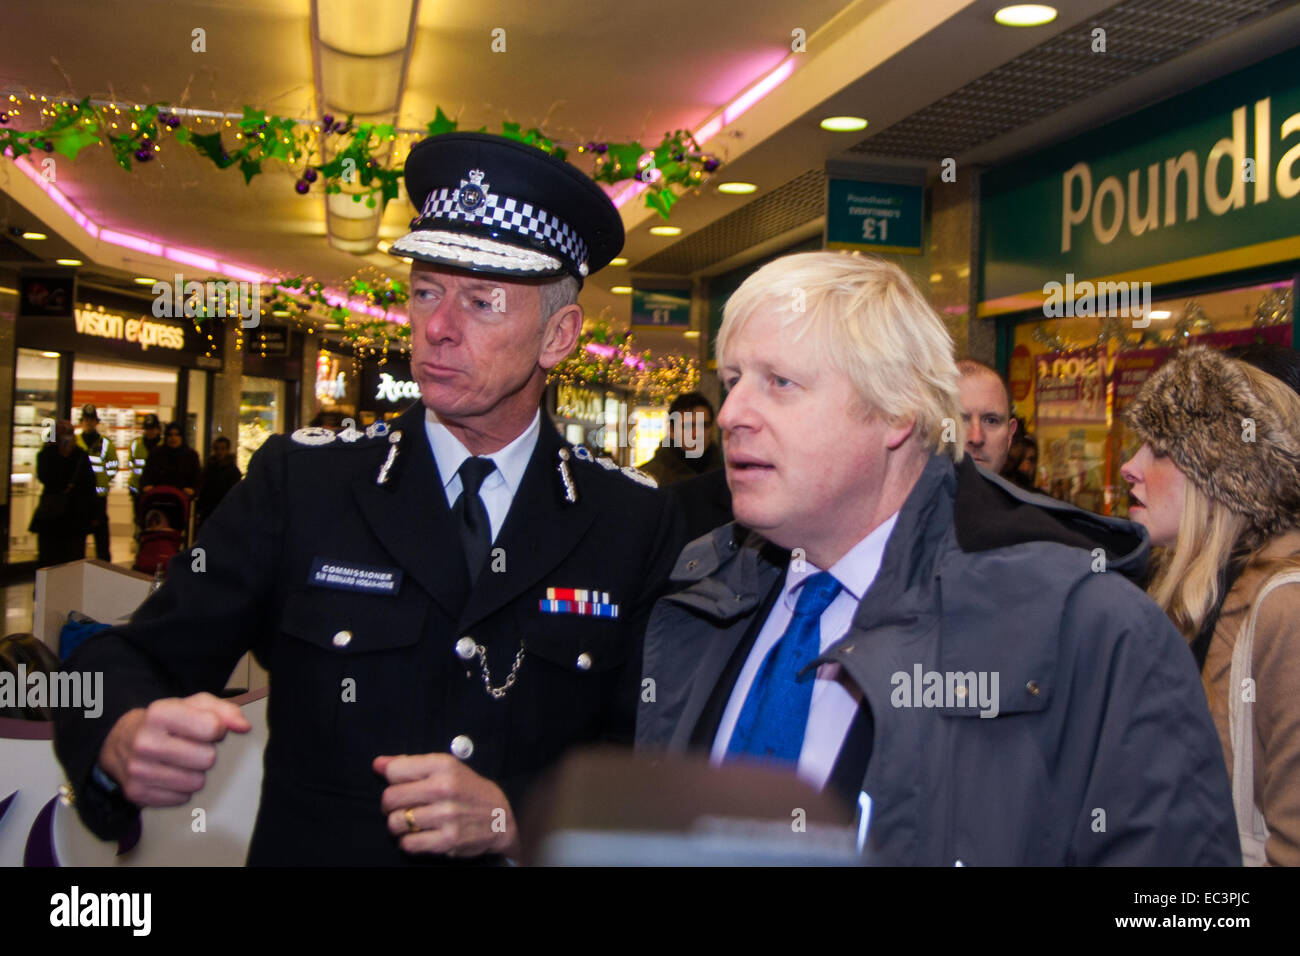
(261,415)
(35,408)
(1071,379)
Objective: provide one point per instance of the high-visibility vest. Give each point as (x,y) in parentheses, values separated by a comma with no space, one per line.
(139,457)
(103,461)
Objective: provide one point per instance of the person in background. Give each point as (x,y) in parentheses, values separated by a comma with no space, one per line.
(140,449)
(1215,483)
(689,449)
(1072,731)
(1021,468)
(220,474)
(1280,361)
(67,505)
(986,413)
(103,465)
(704,502)
(172,463)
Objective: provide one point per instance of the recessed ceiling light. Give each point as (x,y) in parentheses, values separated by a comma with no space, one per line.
(50,354)
(691,333)
(665,230)
(1160,314)
(736,189)
(35,235)
(621,290)
(618,261)
(1025,15)
(143,280)
(68,262)
(844,124)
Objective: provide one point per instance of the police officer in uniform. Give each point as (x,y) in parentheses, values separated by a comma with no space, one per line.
(445,604)
(140,449)
(103,465)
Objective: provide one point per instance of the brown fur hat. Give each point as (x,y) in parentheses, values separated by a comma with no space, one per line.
(1194,409)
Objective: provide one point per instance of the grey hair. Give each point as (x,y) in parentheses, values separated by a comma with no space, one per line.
(555,295)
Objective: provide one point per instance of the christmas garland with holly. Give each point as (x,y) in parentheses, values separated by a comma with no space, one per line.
(358,167)
(605,357)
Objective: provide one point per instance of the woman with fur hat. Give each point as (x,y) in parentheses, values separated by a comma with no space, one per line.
(1216,483)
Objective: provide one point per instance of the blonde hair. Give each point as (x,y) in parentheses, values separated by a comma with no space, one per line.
(868,321)
(1186,581)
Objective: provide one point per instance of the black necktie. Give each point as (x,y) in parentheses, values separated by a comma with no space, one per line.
(471,514)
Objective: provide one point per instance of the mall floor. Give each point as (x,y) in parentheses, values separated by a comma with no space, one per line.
(18,598)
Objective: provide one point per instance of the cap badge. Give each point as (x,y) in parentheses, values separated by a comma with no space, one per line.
(472,194)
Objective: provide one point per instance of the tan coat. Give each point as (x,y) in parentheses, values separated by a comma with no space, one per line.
(1276,673)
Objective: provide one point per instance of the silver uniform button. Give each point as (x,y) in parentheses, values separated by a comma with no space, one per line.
(584,662)
(462,747)
(465,648)
(342,638)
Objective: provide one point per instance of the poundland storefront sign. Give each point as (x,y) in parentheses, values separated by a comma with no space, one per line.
(1206,182)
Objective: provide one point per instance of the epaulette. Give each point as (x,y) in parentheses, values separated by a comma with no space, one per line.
(582,453)
(318,437)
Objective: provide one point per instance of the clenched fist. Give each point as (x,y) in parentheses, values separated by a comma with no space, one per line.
(160,755)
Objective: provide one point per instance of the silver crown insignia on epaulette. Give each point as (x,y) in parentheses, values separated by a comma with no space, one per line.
(313,435)
(640,477)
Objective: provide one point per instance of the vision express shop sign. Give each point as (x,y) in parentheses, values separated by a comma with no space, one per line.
(122,333)
(1205,182)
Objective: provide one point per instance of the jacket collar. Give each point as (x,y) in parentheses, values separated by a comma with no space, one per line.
(991,512)
(410,516)
(1269,560)
(540,530)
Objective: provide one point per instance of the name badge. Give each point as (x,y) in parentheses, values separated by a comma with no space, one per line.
(355,577)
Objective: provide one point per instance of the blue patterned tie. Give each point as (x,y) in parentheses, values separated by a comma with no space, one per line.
(772,722)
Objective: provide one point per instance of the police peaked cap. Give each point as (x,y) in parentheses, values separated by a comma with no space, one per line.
(497,206)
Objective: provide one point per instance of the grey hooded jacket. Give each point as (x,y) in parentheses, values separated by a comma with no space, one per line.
(1102,750)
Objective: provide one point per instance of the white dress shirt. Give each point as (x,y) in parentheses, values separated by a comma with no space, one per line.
(499,488)
(833,706)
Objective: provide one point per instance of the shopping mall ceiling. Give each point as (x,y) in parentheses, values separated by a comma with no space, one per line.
(581,71)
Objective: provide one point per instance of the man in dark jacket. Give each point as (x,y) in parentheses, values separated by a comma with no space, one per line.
(963,661)
(173,464)
(688,450)
(68,499)
(220,474)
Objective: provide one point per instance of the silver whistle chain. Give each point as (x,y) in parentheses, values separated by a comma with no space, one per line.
(498,692)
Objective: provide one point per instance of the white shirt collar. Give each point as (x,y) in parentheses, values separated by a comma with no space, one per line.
(511,461)
(855,571)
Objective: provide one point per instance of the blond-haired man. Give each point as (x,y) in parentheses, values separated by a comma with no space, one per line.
(967,666)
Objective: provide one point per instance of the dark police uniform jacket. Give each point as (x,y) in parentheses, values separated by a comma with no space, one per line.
(306,508)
